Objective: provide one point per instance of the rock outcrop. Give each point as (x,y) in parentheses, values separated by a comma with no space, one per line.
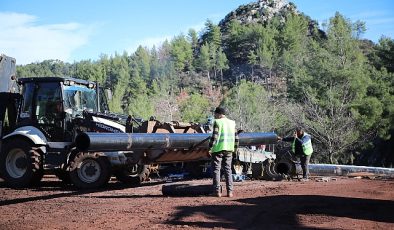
(259,12)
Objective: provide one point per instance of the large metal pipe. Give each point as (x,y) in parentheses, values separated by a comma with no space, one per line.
(348,170)
(290,168)
(146,141)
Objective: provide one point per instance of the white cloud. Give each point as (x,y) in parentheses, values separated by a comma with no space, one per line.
(148,42)
(198,27)
(158,40)
(23,38)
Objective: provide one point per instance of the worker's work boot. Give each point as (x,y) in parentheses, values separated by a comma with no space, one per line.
(217,194)
(230,194)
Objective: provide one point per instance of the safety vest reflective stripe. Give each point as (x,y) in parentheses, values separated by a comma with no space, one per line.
(226,135)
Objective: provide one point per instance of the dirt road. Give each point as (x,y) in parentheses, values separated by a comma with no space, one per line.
(342,204)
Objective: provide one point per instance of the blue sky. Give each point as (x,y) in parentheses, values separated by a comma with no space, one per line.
(78,30)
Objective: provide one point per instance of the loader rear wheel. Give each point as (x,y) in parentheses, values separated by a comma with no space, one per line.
(133,174)
(90,170)
(21,164)
(63,175)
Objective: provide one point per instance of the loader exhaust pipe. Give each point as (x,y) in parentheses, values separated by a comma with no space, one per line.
(91,142)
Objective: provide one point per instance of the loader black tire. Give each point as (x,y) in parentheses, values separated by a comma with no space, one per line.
(284,167)
(90,170)
(186,190)
(37,156)
(257,171)
(133,174)
(289,168)
(21,163)
(269,171)
(63,175)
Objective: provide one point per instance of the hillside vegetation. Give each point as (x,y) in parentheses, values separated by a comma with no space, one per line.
(273,68)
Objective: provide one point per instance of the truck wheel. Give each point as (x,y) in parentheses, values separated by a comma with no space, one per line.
(21,164)
(133,174)
(90,170)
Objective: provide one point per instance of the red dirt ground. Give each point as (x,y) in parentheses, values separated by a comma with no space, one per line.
(346,203)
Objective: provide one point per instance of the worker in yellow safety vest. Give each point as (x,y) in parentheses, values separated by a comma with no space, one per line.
(223,143)
(302,147)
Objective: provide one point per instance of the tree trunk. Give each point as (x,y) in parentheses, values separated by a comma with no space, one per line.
(221,80)
(331,156)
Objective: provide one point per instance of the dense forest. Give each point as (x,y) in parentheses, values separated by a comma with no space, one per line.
(273,68)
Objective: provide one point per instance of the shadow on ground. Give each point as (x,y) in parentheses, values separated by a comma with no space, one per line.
(282,212)
(58,189)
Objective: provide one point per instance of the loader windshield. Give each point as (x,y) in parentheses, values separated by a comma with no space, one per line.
(78,98)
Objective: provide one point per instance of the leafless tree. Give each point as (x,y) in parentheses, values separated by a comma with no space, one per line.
(166,107)
(333,126)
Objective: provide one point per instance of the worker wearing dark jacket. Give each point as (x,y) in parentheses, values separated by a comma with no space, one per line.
(302,147)
(222,145)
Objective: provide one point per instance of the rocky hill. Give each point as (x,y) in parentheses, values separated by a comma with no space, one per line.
(259,12)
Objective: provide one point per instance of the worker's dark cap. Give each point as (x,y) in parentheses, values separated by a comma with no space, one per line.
(220,110)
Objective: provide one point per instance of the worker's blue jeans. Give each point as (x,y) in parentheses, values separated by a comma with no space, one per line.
(218,158)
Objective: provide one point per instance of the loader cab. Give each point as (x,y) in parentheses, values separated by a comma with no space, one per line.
(50,104)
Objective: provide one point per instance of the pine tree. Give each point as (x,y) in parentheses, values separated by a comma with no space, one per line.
(142,58)
(334,88)
(118,76)
(212,34)
(181,53)
(205,59)
(221,63)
